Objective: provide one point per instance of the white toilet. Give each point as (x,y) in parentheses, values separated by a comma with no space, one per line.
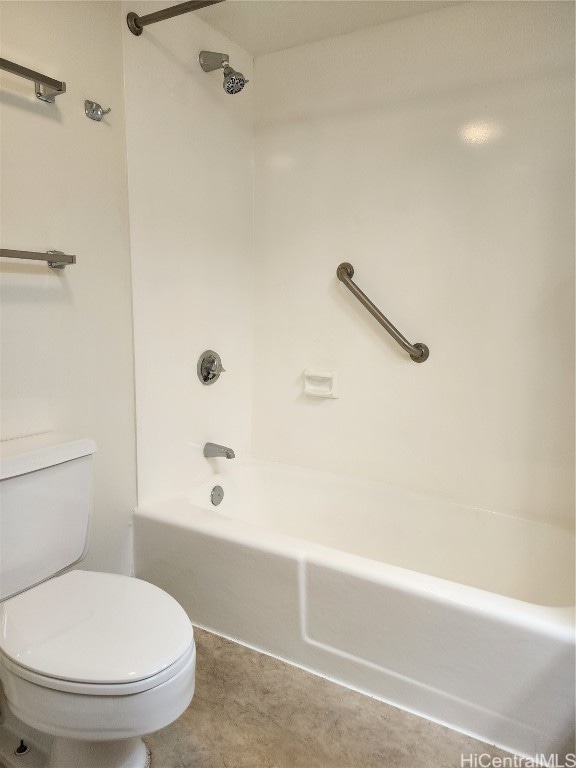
(96,660)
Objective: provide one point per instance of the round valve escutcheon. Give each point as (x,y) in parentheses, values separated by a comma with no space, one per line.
(209,367)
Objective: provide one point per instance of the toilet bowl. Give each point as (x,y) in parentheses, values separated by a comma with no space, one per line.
(93,657)
(96,660)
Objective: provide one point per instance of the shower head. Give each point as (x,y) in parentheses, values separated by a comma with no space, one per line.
(233,81)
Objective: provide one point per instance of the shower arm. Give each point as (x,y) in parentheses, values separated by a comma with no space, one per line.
(137,23)
(418,352)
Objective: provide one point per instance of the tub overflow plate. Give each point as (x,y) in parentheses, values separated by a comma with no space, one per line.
(217,495)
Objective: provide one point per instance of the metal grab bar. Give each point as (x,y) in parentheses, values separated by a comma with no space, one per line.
(46,88)
(55,259)
(418,352)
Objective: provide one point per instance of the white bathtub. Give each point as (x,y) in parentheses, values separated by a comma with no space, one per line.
(458,614)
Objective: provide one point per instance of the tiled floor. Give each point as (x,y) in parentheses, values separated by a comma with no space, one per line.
(252,711)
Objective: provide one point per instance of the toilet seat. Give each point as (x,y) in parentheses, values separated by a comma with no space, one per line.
(95,633)
(98,689)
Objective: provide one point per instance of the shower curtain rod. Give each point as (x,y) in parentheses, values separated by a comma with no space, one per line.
(137,23)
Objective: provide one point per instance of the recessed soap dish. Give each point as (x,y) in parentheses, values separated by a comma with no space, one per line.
(320,383)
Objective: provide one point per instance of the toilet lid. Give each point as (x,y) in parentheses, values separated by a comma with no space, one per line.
(94,628)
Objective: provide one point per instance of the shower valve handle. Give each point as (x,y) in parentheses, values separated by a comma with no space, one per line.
(216,366)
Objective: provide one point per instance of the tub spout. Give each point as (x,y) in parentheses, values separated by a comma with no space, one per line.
(212,450)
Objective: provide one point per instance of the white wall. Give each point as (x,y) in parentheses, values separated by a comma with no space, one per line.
(67,361)
(361,156)
(190,177)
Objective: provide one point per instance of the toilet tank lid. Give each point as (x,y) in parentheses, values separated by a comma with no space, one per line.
(28,454)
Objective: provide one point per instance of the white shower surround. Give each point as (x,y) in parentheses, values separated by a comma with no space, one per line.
(293,563)
(459,614)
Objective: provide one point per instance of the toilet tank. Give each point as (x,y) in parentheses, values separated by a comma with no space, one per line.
(45,504)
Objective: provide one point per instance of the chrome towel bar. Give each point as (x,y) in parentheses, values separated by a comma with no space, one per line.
(55,259)
(418,352)
(46,88)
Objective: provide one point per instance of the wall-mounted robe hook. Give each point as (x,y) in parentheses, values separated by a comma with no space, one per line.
(94,111)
